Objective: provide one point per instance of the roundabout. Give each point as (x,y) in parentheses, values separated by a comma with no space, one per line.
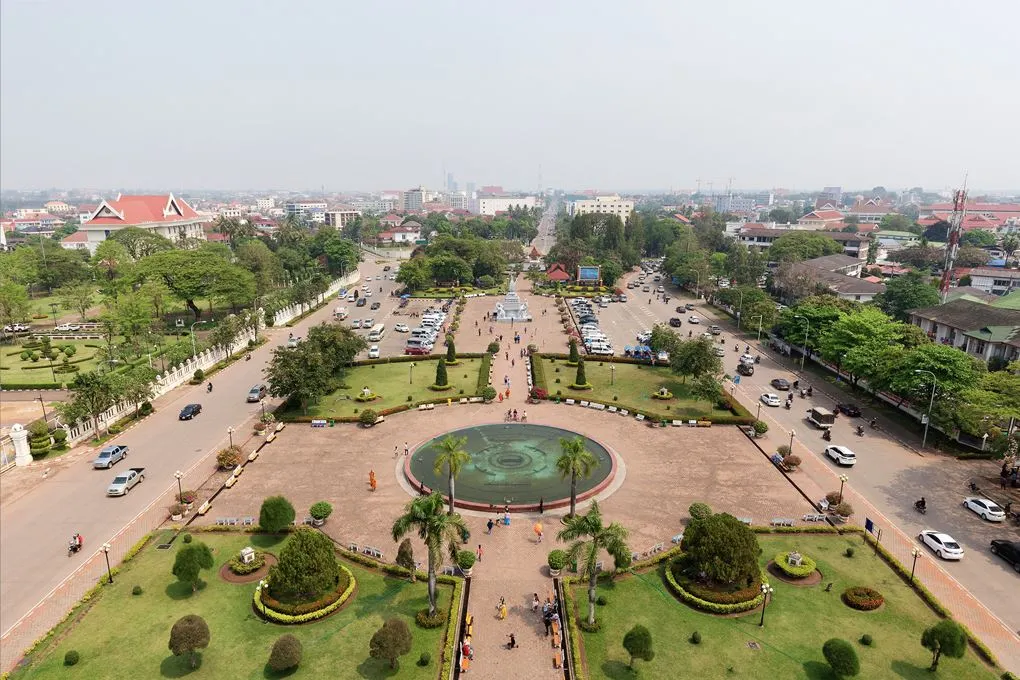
(512,464)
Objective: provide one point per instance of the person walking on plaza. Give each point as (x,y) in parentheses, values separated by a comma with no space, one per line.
(513,642)
(478,552)
(396,450)
(488,526)
(502,609)
(535,604)
(406,449)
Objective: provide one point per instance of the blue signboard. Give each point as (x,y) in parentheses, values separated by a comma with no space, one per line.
(588,273)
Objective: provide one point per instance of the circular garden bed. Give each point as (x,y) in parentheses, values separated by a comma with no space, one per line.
(862,598)
(804,574)
(228,574)
(306,612)
(728,602)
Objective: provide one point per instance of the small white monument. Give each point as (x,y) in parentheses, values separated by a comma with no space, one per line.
(22,452)
(512,308)
(247,555)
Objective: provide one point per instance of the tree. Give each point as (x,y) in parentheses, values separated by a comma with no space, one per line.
(337,346)
(842,658)
(441,378)
(698,510)
(802,245)
(723,548)
(188,635)
(276,514)
(307,568)
(938,232)
(912,290)
(415,274)
(405,557)
(189,274)
(945,637)
(694,358)
(141,243)
(920,256)
(782,216)
(896,222)
(1010,244)
(706,388)
(573,357)
(286,653)
(575,461)
(579,378)
(257,258)
(451,351)
(92,393)
(450,454)
(191,559)
(112,261)
(978,238)
(298,373)
(136,385)
(854,329)
(226,332)
(969,256)
(233,286)
(638,643)
(78,297)
(14,303)
(424,515)
(133,319)
(588,537)
(391,641)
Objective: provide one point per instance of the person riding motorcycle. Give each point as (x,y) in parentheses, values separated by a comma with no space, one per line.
(860,430)
(921,504)
(208,388)
(874,423)
(827,435)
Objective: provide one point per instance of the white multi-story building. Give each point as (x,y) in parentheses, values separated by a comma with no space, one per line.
(608,205)
(458,200)
(341,217)
(313,211)
(164,214)
(23,213)
(490,205)
(229,212)
(414,199)
(993,280)
(264,204)
(58,208)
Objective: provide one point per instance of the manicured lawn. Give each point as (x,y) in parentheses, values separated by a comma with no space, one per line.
(125,636)
(798,621)
(393,383)
(632,384)
(17,371)
(457,292)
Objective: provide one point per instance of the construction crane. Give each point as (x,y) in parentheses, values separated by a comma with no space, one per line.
(953,238)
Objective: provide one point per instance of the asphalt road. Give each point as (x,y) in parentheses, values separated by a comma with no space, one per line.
(35,528)
(890,472)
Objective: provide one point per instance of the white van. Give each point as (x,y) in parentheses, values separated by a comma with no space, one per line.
(431,322)
(377,332)
(340,313)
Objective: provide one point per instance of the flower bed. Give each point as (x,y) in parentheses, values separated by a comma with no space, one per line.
(806,568)
(302,613)
(732,607)
(862,598)
(243,569)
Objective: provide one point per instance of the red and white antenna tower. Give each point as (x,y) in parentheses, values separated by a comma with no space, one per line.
(953,240)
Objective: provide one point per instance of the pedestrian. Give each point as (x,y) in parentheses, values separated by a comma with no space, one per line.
(501,337)
(479,552)
(502,610)
(488,526)
(535,604)
(513,362)
(513,642)
(1002,483)
(524,416)
(396,451)
(541,501)
(547,620)
(479,332)
(406,449)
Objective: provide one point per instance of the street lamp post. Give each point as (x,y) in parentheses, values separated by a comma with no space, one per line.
(258,589)
(914,553)
(842,480)
(760,319)
(931,402)
(758,417)
(180,492)
(740,308)
(697,284)
(43,404)
(612,374)
(766,590)
(53,308)
(109,571)
(807,328)
(410,373)
(793,433)
(262,402)
(230,435)
(194,350)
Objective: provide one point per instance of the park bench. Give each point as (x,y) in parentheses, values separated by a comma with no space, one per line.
(584,404)
(307,520)
(318,423)
(781,522)
(677,423)
(640,416)
(558,659)
(676,540)
(353,547)
(814,518)
(692,423)
(624,412)
(613,409)
(463,400)
(476,400)
(571,402)
(248,521)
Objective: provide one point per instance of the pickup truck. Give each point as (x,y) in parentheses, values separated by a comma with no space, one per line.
(124,482)
(109,456)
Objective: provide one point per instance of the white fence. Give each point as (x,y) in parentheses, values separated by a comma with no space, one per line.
(294,311)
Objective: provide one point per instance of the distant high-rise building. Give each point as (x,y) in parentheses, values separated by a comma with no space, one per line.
(415,198)
(263,204)
(834,194)
(610,205)
(470,190)
(451,185)
(311,210)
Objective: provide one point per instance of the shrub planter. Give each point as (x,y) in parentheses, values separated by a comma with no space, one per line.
(557,560)
(586,386)
(862,598)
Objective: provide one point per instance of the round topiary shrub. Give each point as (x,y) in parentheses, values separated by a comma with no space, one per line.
(590,627)
(187,538)
(199,375)
(229,458)
(425,659)
(557,559)
(71,657)
(601,601)
(698,510)
(760,427)
(862,598)
(137,590)
(368,417)
(867,640)
(320,511)
(849,552)
(286,653)
(695,638)
(842,658)
(806,568)
(423,619)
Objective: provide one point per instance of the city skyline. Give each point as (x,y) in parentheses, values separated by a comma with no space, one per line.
(612,98)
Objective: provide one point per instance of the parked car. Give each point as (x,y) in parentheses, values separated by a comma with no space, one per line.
(719,351)
(125,481)
(780,383)
(293,341)
(849,409)
(675,322)
(693,319)
(770,399)
(987,509)
(745,369)
(714,330)
(1009,551)
(841,455)
(68,328)
(361,302)
(943,545)
(109,456)
(373,352)
(257,393)
(646,289)
(189,411)
(375,305)
(401,328)
(17,328)
(689,306)
(386,268)
(356,323)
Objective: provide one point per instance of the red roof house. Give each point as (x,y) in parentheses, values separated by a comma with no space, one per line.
(162,214)
(557,273)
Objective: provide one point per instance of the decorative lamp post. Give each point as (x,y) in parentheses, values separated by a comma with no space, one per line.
(180,493)
(807,328)
(612,374)
(263,585)
(740,308)
(194,351)
(109,572)
(43,404)
(262,402)
(842,480)
(915,553)
(758,417)
(931,402)
(793,433)
(410,373)
(230,435)
(760,319)
(766,590)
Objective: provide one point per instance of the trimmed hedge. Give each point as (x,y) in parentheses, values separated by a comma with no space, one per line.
(483,374)
(806,568)
(32,386)
(242,569)
(862,598)
(577,660)
(704,605)
(280,617)
(538,372)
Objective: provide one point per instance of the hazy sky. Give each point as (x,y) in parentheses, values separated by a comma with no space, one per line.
(369,95)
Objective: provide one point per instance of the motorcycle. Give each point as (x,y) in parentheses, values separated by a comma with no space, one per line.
(810,391)
(247,357)
(74,546)
(208,388)
(787,405)
(736,348)
(921,507)
(827,435)
(757,359)
(860,430)
(874,423)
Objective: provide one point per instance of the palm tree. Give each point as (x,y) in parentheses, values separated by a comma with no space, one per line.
(425,516)
(1010,244)
(590,537)
(453,457)
(574,461)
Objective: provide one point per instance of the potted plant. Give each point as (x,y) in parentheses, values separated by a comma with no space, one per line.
(319,512)
(187,498)
(259,427)
(760,428)
(466,561)
(177,512)
(843,511)
(557,560)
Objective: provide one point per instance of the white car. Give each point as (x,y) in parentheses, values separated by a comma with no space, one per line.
(987,509)
(402,328)
(368,278)
(720,352)
(68,327)
(356,323)
(368,293)
(293,342)
(943,545)
(770,399)
(373,352)
(693,319)
(841,455)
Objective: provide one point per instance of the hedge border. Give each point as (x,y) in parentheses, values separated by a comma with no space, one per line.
(791,571)
(538,372)
(580,670)
(711,607)
(288,619)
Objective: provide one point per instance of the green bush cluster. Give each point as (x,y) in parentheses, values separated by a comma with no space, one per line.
(423,619)
(538,372)
(705,605)
(71,658)
(242,569)
(338,598)
(862,598)
(806,568)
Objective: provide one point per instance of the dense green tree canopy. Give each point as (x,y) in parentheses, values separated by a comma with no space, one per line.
(913,290)
(802,245)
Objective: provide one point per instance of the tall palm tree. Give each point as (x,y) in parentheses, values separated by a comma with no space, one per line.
(590,537)
(424,515)
(452,456)
(575,461)
(1010,244)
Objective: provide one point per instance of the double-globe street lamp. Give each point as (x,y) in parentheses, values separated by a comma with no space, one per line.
(766,591)
(807,327)
(931,402)
(843,479)
(106,551)
(180,493)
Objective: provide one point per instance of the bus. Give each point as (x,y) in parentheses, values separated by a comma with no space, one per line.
(377,332)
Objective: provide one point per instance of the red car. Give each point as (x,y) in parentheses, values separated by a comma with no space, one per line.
(415,350)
